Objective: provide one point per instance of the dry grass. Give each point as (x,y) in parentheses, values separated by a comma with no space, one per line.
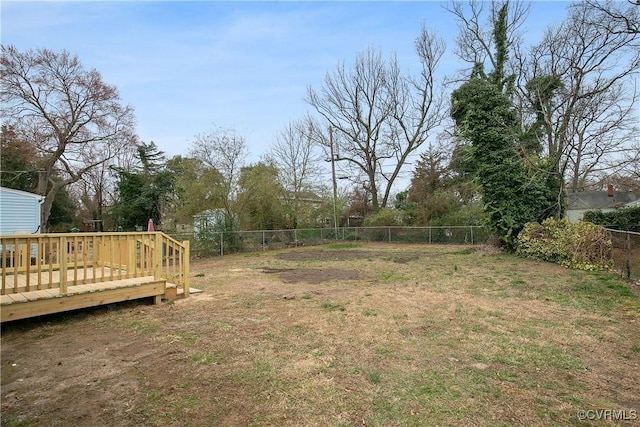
(372,335)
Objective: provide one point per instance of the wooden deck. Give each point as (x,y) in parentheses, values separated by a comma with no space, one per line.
(23,305)
(44,274)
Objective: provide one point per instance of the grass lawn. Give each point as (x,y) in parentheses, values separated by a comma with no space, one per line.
(341,335)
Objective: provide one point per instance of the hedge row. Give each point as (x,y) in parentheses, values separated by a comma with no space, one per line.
(624,218)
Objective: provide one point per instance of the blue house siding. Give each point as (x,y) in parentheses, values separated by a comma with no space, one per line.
(19,211)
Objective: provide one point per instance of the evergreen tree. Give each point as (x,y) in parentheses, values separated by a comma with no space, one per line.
(143,190)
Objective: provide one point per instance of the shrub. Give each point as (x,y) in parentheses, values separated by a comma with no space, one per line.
(583,246)
(384,218)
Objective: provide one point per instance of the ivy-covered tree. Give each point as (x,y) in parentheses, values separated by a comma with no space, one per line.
(485,116)
(516,188)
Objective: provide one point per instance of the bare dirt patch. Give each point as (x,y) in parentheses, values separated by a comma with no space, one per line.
(350,255)
(379,335)
(313,276)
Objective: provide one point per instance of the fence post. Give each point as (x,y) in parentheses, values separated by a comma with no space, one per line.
(628,260)
(471,234)
(221,243)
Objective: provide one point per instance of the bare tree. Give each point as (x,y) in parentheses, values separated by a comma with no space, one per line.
(97,190)
(94,189)
(602,142)
(294,153)
(71,116)
(581,84)
(615,16)
(378,115)
(225,151)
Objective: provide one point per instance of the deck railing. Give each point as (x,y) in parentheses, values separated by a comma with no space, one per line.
(49,261)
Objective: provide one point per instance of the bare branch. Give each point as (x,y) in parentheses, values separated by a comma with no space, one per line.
(589,114)
(66,111)
(381,115)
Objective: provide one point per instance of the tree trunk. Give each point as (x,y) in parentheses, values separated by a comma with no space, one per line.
(46,209)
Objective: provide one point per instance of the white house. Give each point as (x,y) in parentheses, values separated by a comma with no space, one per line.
(19,212)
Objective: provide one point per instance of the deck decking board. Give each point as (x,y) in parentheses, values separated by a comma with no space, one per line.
(51,279)
(37,303)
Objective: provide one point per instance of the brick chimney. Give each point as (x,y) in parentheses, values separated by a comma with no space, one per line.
(610,190)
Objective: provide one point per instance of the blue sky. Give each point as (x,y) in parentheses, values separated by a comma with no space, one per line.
(186,67)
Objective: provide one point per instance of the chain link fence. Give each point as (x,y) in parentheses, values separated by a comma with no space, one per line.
(221,243)
(626,244)
(626,253)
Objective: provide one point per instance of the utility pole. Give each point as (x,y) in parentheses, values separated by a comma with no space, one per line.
(335,184)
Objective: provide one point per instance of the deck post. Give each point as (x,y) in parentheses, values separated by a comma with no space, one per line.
(131,262)
(157,256)
(62,258)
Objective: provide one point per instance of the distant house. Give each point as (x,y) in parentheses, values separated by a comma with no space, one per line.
(19,212)
(605,201)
